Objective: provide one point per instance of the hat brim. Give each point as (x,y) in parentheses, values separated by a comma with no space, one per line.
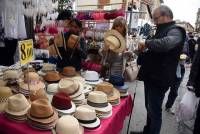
(120,37)
(105,116)
(41,73)
(78,93)
(69,111)
(92,125)
(124,87)
(94,83)
(122,95)
(33,87)
(21,113)
(79,98)
(115,96)
(104,109)
(44,121)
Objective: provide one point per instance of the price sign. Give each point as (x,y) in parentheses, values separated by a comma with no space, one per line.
(25,51)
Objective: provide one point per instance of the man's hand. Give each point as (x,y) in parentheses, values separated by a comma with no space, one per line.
(141,46)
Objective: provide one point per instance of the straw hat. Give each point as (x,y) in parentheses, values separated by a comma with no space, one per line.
(107,88)
(92,77)
(48,67)
(86,116)
(72,41)
(63,104)
(42,112)
(69,71)
(52,77)
(39,94)
(3,83)
(115,41)
(52,88)
(68,125)
(10,74)
(70,86)
(98,100)
(5,93)
(17,105)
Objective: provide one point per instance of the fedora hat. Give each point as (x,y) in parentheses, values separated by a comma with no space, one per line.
(70,86)
(112,93)
(73,41)
(10,74)
(5,93)
(86,116)
(67,124)
(63,104)
(3,83)
(115,41)
(52,77)
(42,112)
(17,105)
(48,67)
(52,88)
(92,77)
(69,71)
(99,101)
(39,94)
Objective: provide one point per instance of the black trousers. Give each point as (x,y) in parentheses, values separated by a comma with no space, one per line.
(197,122)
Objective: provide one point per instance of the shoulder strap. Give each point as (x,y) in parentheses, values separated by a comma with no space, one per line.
(57,51)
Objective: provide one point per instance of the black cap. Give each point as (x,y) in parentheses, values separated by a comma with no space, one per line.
(65,15)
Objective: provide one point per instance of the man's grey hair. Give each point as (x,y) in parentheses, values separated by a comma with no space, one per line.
(165,11)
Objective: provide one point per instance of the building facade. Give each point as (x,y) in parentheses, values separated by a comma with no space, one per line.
(186,25)
(197,24)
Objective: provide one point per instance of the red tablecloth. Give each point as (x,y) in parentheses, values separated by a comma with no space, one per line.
(112,125)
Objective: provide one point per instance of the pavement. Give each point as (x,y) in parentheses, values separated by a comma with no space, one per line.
(169,125)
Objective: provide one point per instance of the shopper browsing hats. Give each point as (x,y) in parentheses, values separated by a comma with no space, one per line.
(17,107)
(67,124)
(41,115)
(5,93)
(98,100)
(63,104)
(87,118)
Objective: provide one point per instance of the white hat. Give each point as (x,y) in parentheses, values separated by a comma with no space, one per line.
(86,116)
(115,41)
(68,125)
(52,88)
(99,101)
(92,77)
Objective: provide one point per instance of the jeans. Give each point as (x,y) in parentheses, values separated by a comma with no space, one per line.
(174,89)
(197,121)
(153,102)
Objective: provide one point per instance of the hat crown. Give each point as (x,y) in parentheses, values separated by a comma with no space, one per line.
(105,87)
(68,85)
(113,42)
(31,76)
(48,67)
(91,76)
(5,92)
(10,74)
(52,87)
(69,71)
(52,76)
(85,113)
(41,108)
(97,97)
(62,101)
(17,103)
(38,94)
(67,125)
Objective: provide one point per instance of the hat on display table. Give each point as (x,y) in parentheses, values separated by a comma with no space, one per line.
(39,94)
(63,104)
(11,77)
(86,116)
(92,77)
(98,100)
(67,124)
(41,115)
(52,77)
(5,93)
(52,88)
(112,93)
(17,107)
(68,72)
(115,41)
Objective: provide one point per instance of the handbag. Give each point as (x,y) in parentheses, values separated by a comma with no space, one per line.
(131,71)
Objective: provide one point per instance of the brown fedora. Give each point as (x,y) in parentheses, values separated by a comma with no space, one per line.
(52,77)
(42,112)
(69,71)
(39,94)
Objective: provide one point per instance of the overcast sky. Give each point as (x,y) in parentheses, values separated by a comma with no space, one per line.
(185,10)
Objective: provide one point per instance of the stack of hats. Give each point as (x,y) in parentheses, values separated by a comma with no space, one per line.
(31,83)
(41,115)
(112,93)
(74,89)
(52,77)
(63,104)
(5,93)
(11,77)
(68,72)
(118,82)
(92,77)
(87,118)
(98,100)
(17,107)
(67,124)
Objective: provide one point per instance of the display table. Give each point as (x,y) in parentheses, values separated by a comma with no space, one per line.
(112,125)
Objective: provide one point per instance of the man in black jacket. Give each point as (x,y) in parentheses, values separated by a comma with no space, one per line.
(194,85)
(159,59)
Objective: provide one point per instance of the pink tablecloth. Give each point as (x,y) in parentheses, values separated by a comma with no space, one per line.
(112,125)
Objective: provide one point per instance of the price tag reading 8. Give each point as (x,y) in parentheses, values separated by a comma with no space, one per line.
(25,51)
